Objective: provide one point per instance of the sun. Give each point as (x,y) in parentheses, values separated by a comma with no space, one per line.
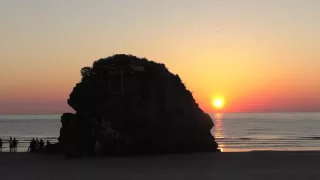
(218,103)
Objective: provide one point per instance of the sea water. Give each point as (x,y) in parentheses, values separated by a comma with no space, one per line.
(233,131)
(26,127)
(267,131)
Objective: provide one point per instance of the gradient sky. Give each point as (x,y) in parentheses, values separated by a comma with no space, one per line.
(259,55)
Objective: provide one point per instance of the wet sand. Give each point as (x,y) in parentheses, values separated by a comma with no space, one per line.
(198,166)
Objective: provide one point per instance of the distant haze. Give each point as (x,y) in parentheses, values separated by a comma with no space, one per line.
(258,55)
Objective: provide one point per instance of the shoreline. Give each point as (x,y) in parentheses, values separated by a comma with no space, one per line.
(292,165)
(228,152)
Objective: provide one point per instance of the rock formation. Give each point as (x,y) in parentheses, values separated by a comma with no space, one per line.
(127,105)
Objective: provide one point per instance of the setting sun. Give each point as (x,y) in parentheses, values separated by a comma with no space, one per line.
(218,103)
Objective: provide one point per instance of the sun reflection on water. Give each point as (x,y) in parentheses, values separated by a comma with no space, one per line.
(218,133)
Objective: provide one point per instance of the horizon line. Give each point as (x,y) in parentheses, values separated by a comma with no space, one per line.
(259,112)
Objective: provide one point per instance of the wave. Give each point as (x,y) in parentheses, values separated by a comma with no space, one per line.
(311,137)
(257,129)
(245,138)
(268,139)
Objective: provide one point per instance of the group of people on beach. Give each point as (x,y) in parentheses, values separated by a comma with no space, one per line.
(13,144)
(35,145)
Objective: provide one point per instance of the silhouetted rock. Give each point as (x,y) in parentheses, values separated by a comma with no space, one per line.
(128,105)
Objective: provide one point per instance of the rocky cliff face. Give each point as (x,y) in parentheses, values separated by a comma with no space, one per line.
(127,105)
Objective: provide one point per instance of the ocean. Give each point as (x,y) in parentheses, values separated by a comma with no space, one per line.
(26,127)
(234,132)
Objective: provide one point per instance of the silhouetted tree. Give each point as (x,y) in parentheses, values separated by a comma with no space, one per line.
(86,72)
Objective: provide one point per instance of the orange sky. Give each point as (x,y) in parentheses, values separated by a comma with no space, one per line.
(260,56)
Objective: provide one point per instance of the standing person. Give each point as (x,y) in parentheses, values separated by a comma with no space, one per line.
(32,145)
(48,147)
(10,144)
(0,145)
(41,144)
(37,144)
(15,144)
(48,144)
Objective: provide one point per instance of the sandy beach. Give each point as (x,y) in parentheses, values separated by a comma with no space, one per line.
(247,165)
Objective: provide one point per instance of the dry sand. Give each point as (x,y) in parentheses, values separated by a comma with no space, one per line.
(248,165)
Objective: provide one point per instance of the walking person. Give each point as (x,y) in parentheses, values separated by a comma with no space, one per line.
(11,144)
(0,145)
(15,144)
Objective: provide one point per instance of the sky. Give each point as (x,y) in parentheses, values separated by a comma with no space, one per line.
(260,56)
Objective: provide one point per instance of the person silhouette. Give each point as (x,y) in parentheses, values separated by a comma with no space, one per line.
(37,144)
(0,145)
(48,143)
(41,144)
(14,144)
(10,144)
(32,145)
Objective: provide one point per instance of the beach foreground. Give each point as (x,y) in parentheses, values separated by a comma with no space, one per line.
(247,165)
